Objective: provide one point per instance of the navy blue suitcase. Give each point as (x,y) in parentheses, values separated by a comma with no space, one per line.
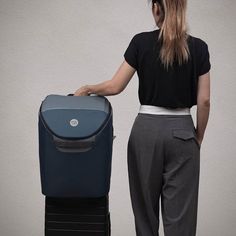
(75,145)
(75,154)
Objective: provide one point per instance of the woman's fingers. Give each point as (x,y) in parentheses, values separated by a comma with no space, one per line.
(81,92)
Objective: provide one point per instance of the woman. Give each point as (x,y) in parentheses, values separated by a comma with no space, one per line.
(164,145)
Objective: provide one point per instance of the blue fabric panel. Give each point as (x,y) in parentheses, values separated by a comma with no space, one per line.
(76,116)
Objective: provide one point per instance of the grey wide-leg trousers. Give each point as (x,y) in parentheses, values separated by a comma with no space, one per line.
(163,158)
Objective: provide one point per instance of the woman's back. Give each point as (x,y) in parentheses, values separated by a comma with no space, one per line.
(175,87)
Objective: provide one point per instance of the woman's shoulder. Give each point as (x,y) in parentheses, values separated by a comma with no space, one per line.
(145,35)
(199,42)
(202,54)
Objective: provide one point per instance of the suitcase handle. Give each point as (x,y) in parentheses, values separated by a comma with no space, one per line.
(82,145)
(91,94)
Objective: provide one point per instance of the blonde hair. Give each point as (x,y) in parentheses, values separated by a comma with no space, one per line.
(173,31)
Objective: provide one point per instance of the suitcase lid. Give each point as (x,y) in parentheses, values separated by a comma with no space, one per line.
(74,116)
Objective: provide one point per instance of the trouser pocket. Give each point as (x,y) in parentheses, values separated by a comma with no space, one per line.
(186,135)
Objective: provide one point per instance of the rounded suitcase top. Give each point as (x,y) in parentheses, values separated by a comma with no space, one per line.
(74,116)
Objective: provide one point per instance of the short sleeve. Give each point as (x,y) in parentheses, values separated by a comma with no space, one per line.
(204,60)
(131,53)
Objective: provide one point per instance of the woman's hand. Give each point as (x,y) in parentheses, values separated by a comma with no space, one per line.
(199,139)
(199,142)
(82,91)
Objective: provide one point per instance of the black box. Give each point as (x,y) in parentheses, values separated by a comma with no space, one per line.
(77,216)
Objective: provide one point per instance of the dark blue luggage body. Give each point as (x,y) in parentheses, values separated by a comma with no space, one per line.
(75,145)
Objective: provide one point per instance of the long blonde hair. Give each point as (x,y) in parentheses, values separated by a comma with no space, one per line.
(173,31)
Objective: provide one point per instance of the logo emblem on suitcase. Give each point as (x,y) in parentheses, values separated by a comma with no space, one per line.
(74,122)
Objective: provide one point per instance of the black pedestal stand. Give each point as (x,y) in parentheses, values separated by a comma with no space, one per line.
(77,216)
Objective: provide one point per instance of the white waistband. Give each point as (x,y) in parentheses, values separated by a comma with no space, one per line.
(163,110)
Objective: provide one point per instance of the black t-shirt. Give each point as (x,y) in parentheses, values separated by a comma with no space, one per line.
(174,88)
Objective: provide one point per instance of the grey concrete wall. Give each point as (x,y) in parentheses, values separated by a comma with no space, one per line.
(57,46)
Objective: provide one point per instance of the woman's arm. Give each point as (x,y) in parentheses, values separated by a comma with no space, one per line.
(110,87)
(203,105)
